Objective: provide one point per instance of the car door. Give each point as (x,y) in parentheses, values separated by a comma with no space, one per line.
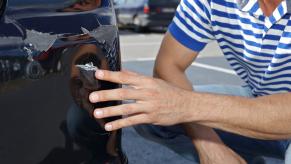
(42,45)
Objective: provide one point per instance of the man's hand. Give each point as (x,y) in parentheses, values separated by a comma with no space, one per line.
(156,102)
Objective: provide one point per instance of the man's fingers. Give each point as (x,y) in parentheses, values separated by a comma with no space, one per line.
(130,73)
(127,122)
(120,110)
(123,77)
(117,94)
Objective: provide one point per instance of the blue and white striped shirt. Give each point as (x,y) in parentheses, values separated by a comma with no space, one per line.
(257,47)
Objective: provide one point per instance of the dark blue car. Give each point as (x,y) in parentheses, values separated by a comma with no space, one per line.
(49,51)
(145,14)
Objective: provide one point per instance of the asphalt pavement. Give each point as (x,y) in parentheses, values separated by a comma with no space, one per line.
(138,54)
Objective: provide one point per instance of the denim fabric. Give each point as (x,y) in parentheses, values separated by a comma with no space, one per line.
(174,137)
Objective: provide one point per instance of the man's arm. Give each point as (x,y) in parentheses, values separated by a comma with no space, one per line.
(267,117)
(172,61)
(160,103)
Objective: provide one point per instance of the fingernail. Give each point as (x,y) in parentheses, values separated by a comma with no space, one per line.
(108,127)
(98,113)
(99,74)
(93,97)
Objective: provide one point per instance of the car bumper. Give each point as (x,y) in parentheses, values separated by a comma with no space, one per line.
(152,21)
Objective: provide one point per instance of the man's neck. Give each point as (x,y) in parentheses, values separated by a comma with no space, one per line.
(269,6)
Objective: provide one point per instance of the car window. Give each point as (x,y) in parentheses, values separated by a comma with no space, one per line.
(126,2)
(119,2)
(131,2)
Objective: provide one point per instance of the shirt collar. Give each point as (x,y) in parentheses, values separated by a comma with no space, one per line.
(253,6)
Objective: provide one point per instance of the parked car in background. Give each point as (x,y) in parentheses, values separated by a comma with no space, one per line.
(49,51)
(145,14)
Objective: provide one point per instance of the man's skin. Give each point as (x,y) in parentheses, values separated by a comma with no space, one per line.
(203,138)
(168,99)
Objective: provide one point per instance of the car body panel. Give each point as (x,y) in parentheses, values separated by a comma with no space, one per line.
(41,42)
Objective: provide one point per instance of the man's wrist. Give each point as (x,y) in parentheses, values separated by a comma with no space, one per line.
(190,104)
(197,110)
(205,107)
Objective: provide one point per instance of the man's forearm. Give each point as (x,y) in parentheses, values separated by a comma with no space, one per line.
(208,144)
(210,147)
(266,117)
(171,63)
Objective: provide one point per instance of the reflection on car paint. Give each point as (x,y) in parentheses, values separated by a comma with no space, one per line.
(83,5)
(86,61)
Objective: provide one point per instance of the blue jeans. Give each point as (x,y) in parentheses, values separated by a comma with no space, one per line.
(174,137)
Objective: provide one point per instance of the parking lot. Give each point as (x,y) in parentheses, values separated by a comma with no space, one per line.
(138,54)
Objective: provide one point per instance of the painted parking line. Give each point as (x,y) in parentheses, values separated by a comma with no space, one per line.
(214,68)
(195,64)
(140,44)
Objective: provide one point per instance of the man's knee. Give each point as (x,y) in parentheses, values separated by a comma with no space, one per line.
(159,133)
(146,131)
(172,137)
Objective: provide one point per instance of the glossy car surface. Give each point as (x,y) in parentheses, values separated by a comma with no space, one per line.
(49,50)
(143,14)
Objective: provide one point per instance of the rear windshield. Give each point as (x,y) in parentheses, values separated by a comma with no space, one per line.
(162,2)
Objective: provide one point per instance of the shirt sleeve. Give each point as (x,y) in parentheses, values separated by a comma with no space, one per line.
(191,25)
